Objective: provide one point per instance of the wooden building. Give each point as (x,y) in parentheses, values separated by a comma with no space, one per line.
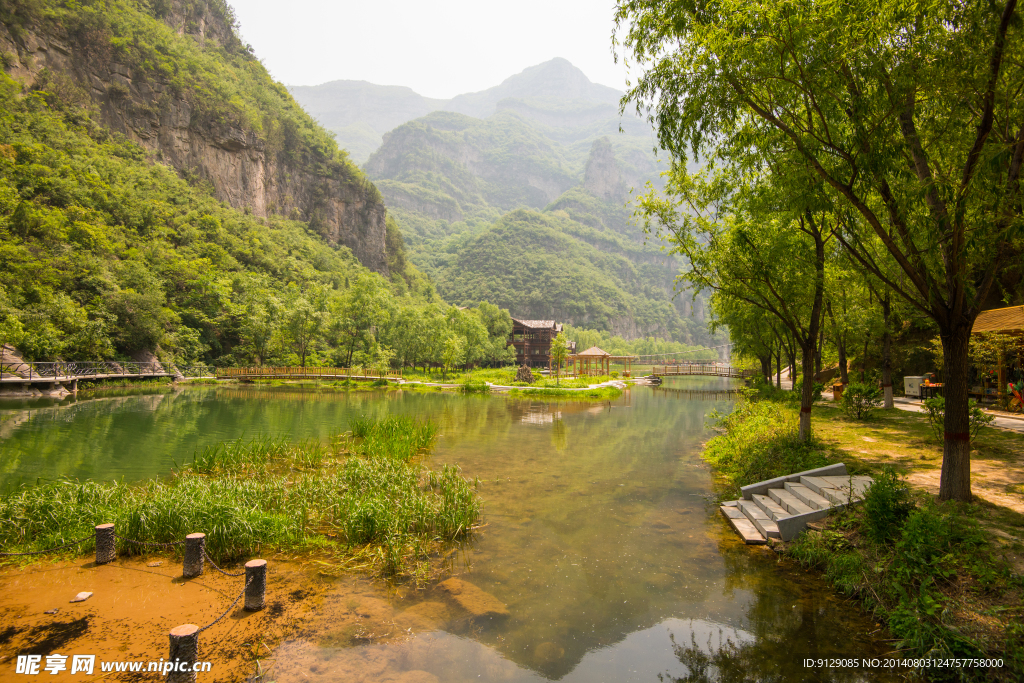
(1009,323)
(532,341)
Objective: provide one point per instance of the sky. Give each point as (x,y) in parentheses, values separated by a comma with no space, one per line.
(439,49)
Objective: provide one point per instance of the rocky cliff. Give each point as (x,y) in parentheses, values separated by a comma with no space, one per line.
(160,85)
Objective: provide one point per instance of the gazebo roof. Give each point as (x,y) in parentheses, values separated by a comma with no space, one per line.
(594,351)
(1009,319)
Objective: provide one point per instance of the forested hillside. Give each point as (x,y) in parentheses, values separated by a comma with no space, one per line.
(173,77)
(112,244)
(567,251)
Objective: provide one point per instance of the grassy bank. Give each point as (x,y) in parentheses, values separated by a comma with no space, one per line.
(599,394)
(362,495)
(946,579)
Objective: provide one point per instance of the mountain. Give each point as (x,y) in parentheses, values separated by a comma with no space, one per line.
(556,82)
(358,113)
(160,193)
(496,210)
(556,95)
(515,195)
(174,78)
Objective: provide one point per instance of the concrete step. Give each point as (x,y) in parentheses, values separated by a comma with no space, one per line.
(750,534)
(787,500)
(753,511)
(781,507)
(860,484)
(771,508)
(808,497)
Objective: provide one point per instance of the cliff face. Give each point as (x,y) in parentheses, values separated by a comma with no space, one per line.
(244,170)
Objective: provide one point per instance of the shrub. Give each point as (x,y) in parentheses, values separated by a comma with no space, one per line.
(761,442)
(936,407)
(818,388)
(886,506)
(859,399)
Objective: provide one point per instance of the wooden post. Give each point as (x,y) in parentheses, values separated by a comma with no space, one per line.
(255,585)
(195,550)
(105,550)
(180,664)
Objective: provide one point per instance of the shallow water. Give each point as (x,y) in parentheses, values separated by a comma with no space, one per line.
(601,537)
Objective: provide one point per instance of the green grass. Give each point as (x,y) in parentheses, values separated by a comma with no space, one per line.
(363,493)
(760,441)
(602,394)
(944,585)
(937,584)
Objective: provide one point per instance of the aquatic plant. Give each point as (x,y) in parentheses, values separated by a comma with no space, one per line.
(248,496)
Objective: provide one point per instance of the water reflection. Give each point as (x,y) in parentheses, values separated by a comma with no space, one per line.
(600,537)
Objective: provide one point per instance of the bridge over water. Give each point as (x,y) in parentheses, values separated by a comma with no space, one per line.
(700,369)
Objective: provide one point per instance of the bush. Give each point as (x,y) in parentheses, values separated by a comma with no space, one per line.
(936,407)
(761,442)
(886,506)
(818,388)
(859,399)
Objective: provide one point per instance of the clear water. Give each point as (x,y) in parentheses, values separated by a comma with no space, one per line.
(601,537)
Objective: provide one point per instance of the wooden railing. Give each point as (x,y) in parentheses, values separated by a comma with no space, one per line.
(84,370)
(705,369)
(267,372)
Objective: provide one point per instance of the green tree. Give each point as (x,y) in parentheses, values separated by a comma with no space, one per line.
(453,352)
(909,114)
(304,318)
(759,241)
(559,352)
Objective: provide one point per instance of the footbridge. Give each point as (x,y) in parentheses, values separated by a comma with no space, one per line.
(317,373)
(700,369)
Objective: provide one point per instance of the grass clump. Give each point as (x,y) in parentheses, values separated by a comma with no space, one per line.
(923,576)
(601,393)
(361,494)
(759,441)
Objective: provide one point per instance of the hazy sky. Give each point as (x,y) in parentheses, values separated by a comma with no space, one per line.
(439,49)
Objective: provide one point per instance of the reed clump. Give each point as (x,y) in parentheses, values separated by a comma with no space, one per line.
(364,493)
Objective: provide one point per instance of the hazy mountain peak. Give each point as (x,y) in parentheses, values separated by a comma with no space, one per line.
(554,80)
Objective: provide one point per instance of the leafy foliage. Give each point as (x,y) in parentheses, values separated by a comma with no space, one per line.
(860,399)
(936,407)
(886,506)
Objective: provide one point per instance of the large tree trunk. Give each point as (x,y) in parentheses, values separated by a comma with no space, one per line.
(844,369)
(778,367)
(807,392)
(766,367)
(955,479)
(886,351)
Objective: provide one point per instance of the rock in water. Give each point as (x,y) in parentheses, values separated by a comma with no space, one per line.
(479,603)
(523,374)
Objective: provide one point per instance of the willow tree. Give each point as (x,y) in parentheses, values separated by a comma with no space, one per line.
(909,112)
(754,238)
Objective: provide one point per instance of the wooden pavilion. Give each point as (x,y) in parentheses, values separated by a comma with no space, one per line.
(596,361)
(1005,321)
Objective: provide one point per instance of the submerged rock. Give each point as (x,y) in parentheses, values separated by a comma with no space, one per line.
(424,616)
(479,603)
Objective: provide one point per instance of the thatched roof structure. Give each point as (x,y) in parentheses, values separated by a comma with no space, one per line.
(1009,319)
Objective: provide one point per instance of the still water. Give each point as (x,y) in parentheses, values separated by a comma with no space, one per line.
(601,536)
